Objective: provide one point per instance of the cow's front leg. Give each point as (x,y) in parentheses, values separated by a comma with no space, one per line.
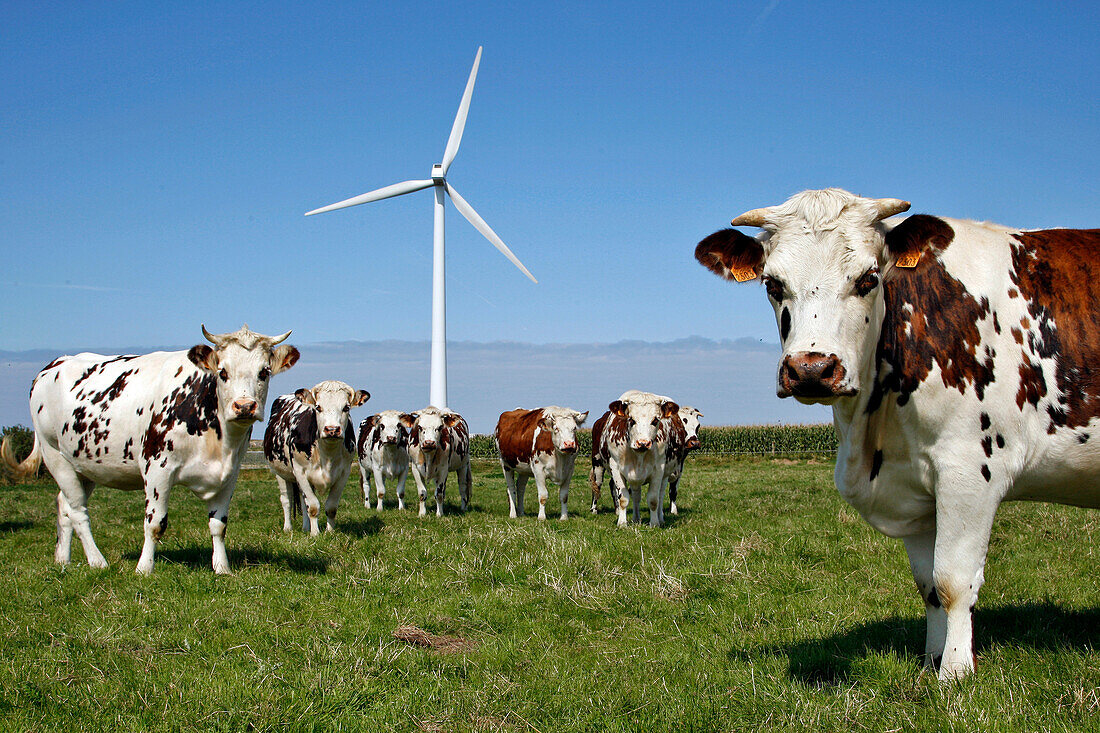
(595,481)
(311,505)
(421,490)
(401,488)
(156,519)
(619,491)
(921,550)
(540,483)
(964,518)
(379,488)
(465,478)
(364,484)
(332,502)
(440,490)
(521,487)
(654,499)
(510,484)
(672,486)
(217,511)
(563,494)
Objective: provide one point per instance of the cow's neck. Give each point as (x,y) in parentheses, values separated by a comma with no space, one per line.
(235,439)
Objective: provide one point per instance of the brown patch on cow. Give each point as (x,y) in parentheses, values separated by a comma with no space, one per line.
(1000,441)
(940,328)
(985,422)
(1033,387)
(179,371)
(314,511)
(986,473)
(1018,335)
(727,251)
(987,446)
(417,636)
(515,433)
(876,464)
(1058,273)
(1012,293)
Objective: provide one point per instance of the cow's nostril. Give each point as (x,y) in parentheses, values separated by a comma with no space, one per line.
(827,373)
(792,373)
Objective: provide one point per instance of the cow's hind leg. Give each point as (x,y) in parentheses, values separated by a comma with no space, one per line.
(510,483)
(286,498)
(595,481)
(156,520)
(921,549)
(465,484)
(217,511)
(672,486)
(401,488)
(72,510)
(440,490)
(521,486)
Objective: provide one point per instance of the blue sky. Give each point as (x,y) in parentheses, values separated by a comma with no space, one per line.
(157,158)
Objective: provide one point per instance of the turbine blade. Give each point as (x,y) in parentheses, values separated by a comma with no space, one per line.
(460,119)
(376,195)
(472,216)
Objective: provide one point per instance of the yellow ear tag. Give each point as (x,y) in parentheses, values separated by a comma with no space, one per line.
(909,259)
(744,274)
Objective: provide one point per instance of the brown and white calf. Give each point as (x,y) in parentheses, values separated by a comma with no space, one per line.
(149,423)
(960,361)
(541,443)
(631,441)
(384,454)
(439,442)
(683,439)
(310,446)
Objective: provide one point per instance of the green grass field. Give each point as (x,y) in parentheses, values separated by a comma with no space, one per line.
(766,605)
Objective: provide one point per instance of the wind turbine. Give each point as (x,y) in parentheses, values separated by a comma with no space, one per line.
(438,181)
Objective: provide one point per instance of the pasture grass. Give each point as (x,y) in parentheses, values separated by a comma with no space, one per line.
(768,604)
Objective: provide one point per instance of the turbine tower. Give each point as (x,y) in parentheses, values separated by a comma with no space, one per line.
(438,181)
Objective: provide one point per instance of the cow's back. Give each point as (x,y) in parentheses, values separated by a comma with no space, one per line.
(515,433)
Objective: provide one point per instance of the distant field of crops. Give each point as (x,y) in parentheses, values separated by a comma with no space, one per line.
(723,440)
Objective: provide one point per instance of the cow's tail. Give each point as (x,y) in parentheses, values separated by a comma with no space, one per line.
(295,499)
(29,466)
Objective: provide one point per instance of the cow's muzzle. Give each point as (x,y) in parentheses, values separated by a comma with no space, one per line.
(569,448)
(642,445)
(694,443)
(245,409)
(812,375)
(331,431)
(428,445)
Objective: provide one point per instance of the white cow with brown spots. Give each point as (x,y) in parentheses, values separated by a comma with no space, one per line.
(384,454)
(439,442)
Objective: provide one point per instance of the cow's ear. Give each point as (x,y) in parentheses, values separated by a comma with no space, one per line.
(618,408)
(546,422)
(360,396)
(204,358)
(731,255)
(669,408)
(306,396)
(368,424)
(407,419)
(451,419)
(914,240)
(283,358)
(580,417)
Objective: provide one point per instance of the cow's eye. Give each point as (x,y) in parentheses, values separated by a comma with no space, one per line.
(867,282)
(685,421)
(223,375)
(775,288)
(347,408)
(264,374)
(655,421)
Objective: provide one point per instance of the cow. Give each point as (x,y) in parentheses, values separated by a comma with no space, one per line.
(631,441)
(384,453)
(959,360)
(309,444)
(541,443)
(682,439)
(151,422)
(439,442)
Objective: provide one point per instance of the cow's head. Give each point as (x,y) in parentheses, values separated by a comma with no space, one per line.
(242,363)
(562,424)
(643,419)
(392,426)
(822,257)
(689,418)
(332,401)
(432,426)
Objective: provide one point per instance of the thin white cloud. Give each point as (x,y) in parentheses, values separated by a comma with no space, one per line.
(758,24)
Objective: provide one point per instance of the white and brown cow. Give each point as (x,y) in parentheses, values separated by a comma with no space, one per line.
(439,442)
(960,360)
(384,454)
(151,422)
(310,446)
(541,443)
(631,441)
(683,439)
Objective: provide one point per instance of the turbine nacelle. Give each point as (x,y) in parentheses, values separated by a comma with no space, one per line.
(438,174)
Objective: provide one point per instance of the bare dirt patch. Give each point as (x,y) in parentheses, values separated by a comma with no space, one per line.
(417,636)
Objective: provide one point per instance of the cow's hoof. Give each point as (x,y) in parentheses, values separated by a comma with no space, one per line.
(100,563)
(563,517)
(222,570)
(144,568)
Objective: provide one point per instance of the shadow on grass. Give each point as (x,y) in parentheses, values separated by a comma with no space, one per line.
(828,660)
(360,527)
(15,526)
(199,558)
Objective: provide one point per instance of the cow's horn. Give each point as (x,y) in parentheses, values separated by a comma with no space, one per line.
(754,218)
(889,207)
(280,339)
(216,340)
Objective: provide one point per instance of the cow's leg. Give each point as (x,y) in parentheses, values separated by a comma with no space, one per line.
(157,487)
(421,490)
(510,483)
(63,552)
(521,486)
(619,491)
(636,501)
(72,510)
(217,511)
(654,499)
(379,488)
(672,486)
(921,550)
(311,505)
(563,494)
(540,483)
(440,491)
(401,488)
(364,486)
(466,484)
(595,481)
(332,502)
(286,499)
(964,519)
